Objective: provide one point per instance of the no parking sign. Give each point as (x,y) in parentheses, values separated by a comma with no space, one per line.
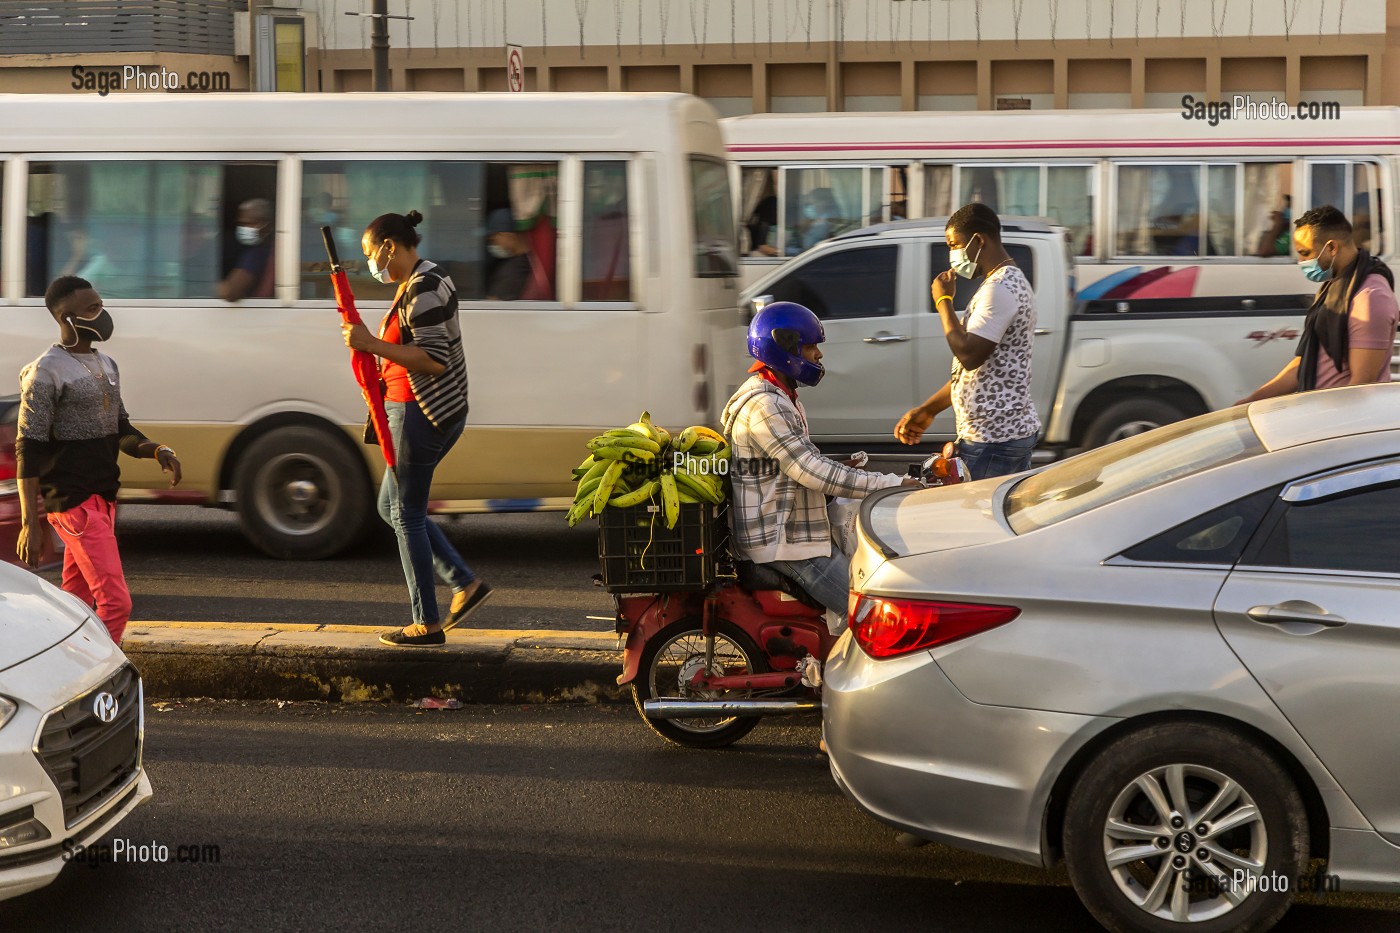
(515,68)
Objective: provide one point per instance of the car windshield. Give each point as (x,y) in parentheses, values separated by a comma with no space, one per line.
(1130,466)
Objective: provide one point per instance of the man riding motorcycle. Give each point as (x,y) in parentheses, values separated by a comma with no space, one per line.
(779,478)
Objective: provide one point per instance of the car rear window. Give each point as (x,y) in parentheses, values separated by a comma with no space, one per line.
(1146,461)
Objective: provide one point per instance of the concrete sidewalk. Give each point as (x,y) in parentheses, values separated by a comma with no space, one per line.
(255,661)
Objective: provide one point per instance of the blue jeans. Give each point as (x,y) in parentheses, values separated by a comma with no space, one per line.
(403,503)
(984,458)
(826,579)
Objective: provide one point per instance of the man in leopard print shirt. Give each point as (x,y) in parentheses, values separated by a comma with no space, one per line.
(990,386)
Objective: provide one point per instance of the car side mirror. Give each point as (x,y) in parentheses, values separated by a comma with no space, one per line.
(757,304)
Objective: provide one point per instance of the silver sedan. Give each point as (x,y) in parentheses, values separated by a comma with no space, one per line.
(1172,662)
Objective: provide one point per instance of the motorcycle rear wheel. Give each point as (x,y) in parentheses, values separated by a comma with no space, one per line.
(676,653)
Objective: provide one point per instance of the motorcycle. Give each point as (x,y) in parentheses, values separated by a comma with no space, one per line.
(708,662)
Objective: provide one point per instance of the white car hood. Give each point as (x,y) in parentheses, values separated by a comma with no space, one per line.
(926,520)
(34,615)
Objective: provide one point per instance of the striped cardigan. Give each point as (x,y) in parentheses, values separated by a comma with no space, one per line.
(427,310)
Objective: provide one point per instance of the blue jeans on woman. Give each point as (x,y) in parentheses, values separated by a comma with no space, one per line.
(985,458)
(403,503)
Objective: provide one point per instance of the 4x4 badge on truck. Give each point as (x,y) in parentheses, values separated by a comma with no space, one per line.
(104,706)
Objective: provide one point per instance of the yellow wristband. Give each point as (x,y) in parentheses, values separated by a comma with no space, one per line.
(946,298)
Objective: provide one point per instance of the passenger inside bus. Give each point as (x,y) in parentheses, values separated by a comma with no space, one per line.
(85,260)
(253,275)
(820,218)
(510,254)
(1275,240)
(763,227)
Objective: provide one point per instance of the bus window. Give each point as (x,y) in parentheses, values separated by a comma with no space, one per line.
(1365,213)
(1268,205)
(1220,210)
(606,250)
(482,222)
(1014,191)
(851,283)
(716,253)
(1329,185)
(136,229)
(759,208)
(938,261)
(1069,200)
(938,191)
(1159,210)
(898,192)
(818,204)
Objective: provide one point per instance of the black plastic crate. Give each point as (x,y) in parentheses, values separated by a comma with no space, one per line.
(639,554)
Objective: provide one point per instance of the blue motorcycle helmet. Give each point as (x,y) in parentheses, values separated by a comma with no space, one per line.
(777,335)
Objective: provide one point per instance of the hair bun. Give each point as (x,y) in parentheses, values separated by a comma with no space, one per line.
(414,218)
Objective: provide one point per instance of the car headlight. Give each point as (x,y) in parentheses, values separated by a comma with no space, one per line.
(7,709)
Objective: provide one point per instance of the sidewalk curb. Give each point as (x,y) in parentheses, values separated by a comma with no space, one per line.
(254,661)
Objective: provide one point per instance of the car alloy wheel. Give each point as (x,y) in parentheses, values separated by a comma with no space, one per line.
(1185,826)
(1185,843)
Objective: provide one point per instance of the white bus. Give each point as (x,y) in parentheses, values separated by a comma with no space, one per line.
(1159,206)
(622,202)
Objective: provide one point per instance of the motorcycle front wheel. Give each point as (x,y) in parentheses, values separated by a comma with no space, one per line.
(673,658)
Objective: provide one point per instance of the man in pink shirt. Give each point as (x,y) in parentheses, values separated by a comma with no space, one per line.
(1349,332)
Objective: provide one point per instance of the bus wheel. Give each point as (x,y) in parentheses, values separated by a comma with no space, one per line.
(1128,418)
(301,493)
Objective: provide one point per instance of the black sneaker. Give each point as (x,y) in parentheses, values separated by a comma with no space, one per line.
(401,637)
(479,596)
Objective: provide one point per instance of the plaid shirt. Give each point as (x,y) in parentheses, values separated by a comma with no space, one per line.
(779,479)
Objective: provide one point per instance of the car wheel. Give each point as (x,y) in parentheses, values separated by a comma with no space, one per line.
(668,663)
(301,493)
(1129,418)
(1185,826)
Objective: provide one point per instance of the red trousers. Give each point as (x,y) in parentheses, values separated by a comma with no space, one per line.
(92,568)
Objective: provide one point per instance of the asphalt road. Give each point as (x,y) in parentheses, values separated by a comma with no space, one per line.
(186,564)
(531,818)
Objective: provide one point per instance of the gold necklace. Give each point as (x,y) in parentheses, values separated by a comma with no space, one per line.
(100,375)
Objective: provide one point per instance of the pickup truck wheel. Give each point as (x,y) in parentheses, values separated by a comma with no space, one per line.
(1129,418)
(301,493)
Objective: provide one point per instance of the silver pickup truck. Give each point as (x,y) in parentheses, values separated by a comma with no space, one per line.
(1102,370)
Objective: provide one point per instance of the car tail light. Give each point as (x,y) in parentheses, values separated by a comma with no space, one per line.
(887,628)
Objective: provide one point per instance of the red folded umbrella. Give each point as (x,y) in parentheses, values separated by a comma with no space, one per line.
(363,364)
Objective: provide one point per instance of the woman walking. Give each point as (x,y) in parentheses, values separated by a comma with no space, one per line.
(425,383)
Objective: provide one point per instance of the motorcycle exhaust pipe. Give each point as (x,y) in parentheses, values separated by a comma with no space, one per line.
(682,709)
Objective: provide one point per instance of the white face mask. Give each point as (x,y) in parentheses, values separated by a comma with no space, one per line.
(958,261)
(248,236)
(499,251)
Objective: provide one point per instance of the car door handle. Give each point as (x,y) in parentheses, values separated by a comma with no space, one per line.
(1042,331)
(1295,612)
(883,337)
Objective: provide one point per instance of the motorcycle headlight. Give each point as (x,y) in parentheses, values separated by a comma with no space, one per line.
(7,709)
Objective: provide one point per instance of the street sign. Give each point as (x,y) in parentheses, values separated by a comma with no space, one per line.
(515,68)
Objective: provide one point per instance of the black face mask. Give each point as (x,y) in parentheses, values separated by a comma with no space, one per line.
(95,329)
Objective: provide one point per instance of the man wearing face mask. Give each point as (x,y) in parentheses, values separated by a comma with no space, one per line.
(990,387)
(1350,328)
(252,275)
(72,423)
(511,255)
